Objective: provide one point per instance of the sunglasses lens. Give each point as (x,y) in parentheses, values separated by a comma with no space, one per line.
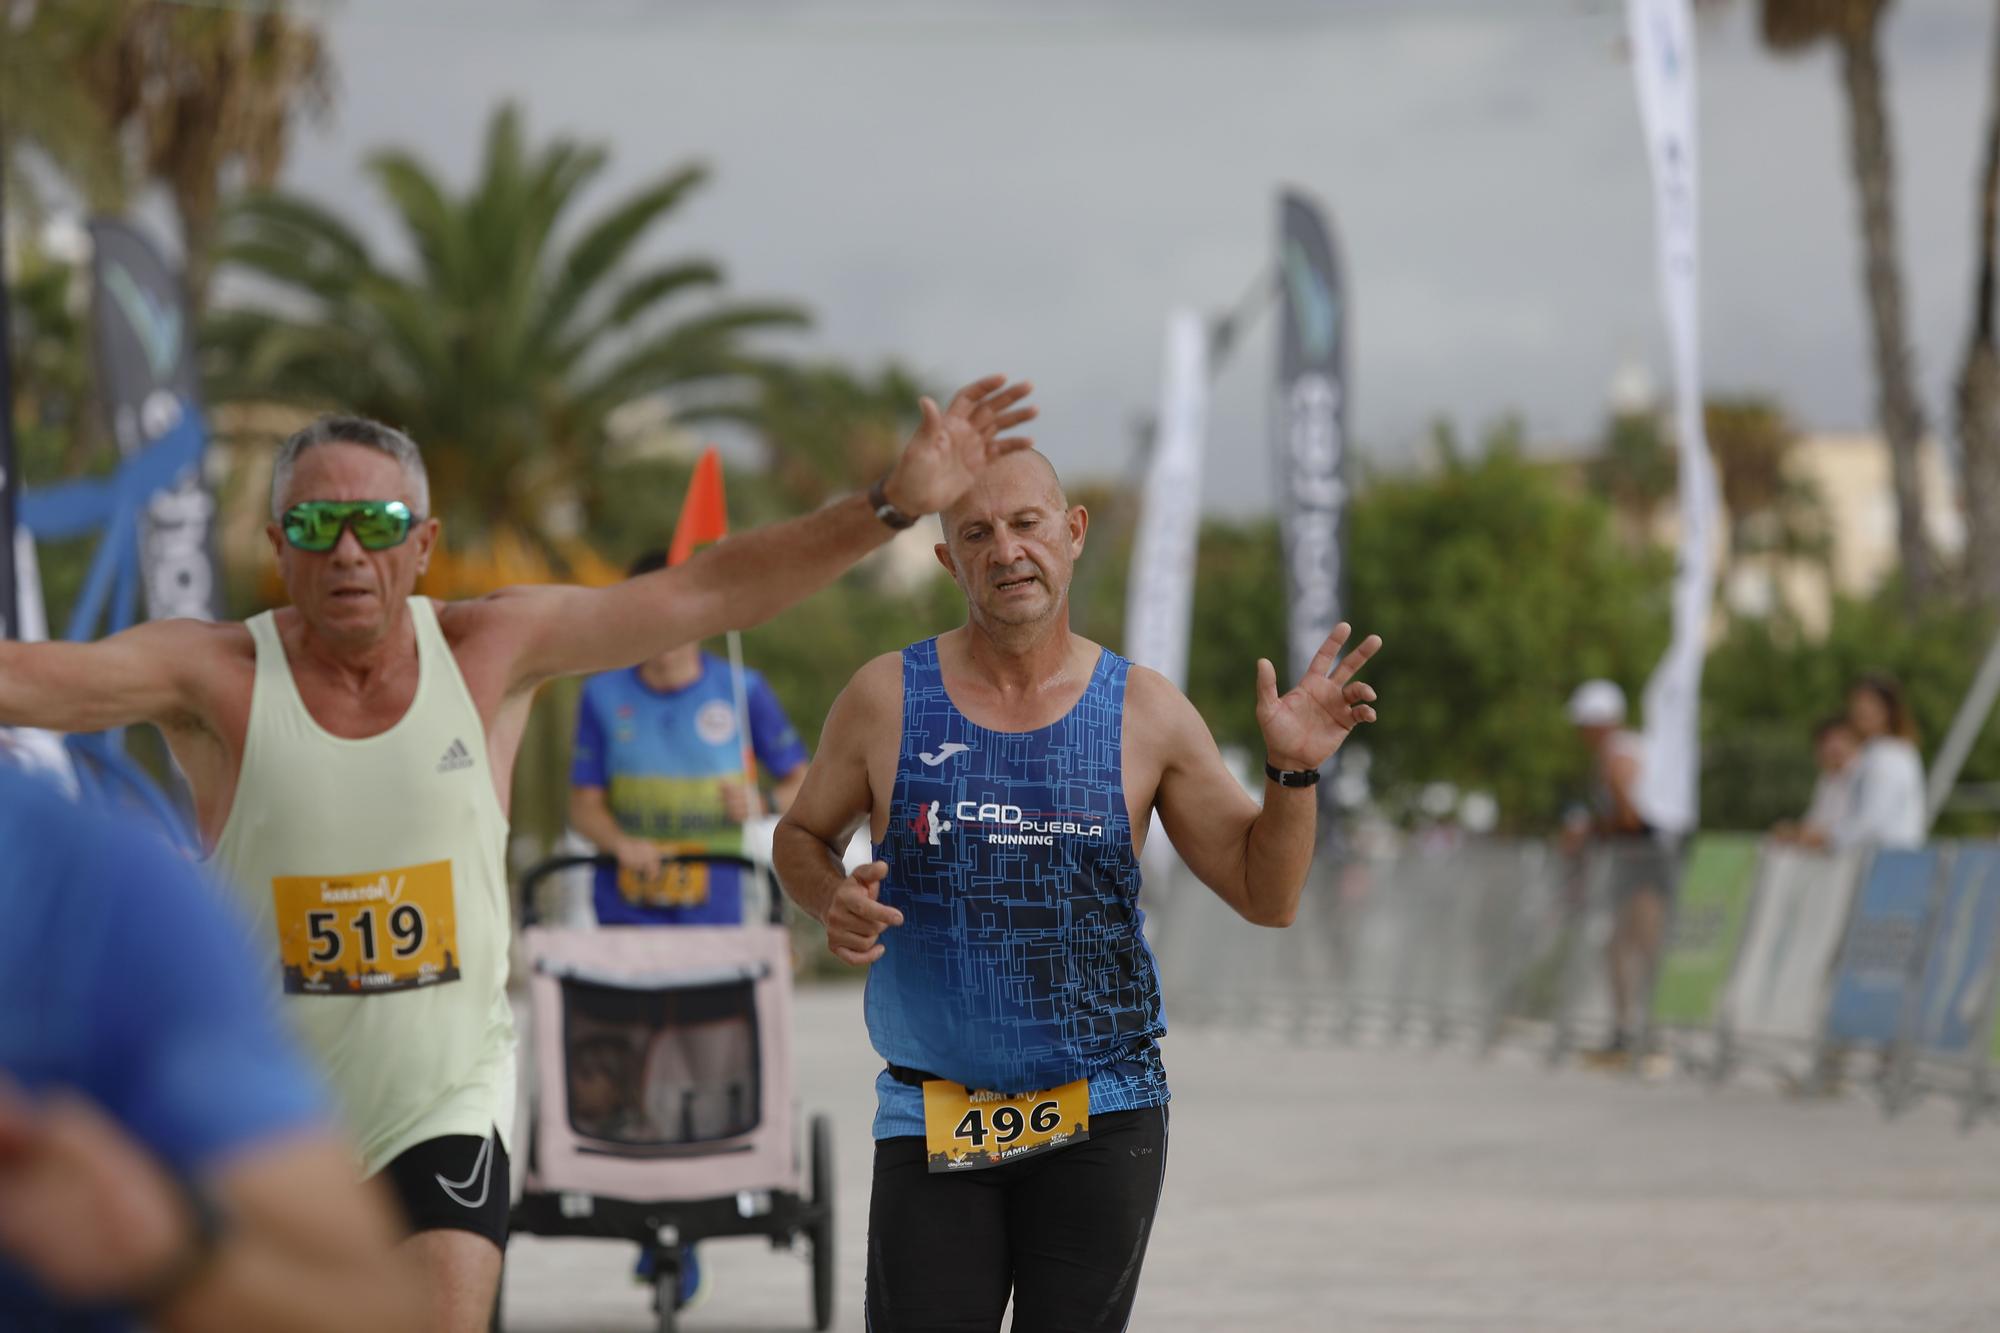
(380,524)
(312,527)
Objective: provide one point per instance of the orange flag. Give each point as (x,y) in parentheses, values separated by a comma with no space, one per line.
(704,513)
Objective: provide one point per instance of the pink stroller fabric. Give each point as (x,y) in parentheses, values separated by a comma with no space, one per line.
(663,1061)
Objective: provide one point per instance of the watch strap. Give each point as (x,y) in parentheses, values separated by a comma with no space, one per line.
(878,500)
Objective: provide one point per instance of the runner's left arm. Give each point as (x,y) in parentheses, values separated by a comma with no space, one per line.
(745,580)
(1255,857)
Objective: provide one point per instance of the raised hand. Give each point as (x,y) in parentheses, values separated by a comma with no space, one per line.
(953,444)
(1303,727)
(856,917)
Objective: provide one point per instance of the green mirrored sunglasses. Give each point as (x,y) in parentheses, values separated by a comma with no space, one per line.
(378,524)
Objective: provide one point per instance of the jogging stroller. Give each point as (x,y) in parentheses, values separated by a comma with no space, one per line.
(662,1107)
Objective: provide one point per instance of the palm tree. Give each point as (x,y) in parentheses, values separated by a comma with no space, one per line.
(503,348)
(44,107)
(1634,470)
(1855,26)
(826,427)
(1771,512)
(116,93)
(1979,378)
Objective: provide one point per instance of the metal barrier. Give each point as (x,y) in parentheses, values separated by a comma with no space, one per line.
(1775,958)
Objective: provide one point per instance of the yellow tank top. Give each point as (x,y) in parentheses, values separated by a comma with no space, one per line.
(376,868)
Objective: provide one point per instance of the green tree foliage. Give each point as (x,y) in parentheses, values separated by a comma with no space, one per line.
(507,345)
(1496,589)
(828,429)
(1771,511)
(116,93)
(1634,468)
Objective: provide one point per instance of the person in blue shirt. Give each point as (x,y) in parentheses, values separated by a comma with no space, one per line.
(659,767)
(165,1157)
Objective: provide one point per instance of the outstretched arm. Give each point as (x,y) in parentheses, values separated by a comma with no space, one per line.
(745,580)
(143,674)
(1256,858)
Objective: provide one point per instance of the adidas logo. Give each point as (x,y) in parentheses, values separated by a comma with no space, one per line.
(455,758)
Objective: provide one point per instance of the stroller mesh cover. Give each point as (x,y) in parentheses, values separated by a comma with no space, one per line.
(661,1068)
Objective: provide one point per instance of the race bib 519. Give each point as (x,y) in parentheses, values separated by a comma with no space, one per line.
(378,930)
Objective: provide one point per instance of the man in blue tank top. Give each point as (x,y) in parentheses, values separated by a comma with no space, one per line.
(1009,770)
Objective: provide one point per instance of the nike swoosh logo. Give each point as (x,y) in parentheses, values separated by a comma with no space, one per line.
(482,1171)
(944,752)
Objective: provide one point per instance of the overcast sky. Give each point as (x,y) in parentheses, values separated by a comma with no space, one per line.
(1030,186)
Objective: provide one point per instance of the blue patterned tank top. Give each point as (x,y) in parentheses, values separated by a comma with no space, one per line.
(1021,963)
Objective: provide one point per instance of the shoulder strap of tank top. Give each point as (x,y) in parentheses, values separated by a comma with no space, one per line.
(923,679)
(263,629)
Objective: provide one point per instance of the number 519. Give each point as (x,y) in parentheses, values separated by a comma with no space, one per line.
(406,928)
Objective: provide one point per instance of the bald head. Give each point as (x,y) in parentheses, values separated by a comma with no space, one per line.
(1025,475)
(1011,543)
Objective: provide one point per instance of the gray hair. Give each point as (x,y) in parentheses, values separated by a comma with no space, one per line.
(336,429)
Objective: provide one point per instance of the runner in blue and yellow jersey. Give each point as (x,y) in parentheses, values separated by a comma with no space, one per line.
(659,765)
(1009,770)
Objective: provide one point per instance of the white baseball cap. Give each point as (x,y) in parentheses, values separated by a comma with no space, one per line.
(1597,703)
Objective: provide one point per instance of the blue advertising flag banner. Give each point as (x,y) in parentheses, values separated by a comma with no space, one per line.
(1958,971)
(1885,937)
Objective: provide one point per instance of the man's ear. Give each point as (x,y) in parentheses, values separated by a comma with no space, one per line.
(426,535)
(1079,523)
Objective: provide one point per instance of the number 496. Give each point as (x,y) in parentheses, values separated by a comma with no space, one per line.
(1007,1123)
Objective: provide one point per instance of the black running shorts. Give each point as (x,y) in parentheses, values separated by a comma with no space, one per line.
(454,1183)
(1063,1233)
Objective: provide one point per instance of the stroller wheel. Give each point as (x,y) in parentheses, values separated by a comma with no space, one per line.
(666,1298)
(820,1231)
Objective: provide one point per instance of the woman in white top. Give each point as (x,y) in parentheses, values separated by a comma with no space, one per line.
(1887,805)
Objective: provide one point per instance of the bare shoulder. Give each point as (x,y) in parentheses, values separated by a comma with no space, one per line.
(1150,697)
(500,612)
(200,646)
(214,661)
(874,694)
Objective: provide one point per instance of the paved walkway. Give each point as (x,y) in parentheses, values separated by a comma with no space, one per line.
(1334,1188)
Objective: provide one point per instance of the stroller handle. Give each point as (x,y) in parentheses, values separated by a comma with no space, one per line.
(541,870)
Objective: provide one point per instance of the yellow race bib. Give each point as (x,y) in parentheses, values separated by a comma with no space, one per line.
(360,934)
(679,883)
(965,1130)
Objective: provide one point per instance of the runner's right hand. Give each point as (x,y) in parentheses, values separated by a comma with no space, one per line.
(856,918)
(638,858)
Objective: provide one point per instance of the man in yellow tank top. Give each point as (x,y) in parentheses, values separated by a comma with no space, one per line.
(351,756)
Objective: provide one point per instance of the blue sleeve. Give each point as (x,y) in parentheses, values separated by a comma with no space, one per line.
(587,756)
(194,1060)
(772,735)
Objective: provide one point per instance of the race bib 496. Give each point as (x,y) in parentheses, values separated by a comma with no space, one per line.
(359,934)
(966,1130)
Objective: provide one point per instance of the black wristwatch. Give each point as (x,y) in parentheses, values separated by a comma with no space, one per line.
(1291,777)
(878,500)
(188,1264)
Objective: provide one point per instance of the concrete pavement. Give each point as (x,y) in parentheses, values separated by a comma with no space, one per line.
(1328,1187)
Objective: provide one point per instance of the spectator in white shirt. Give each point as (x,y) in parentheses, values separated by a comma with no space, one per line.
(1836,749)
(1887,808)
